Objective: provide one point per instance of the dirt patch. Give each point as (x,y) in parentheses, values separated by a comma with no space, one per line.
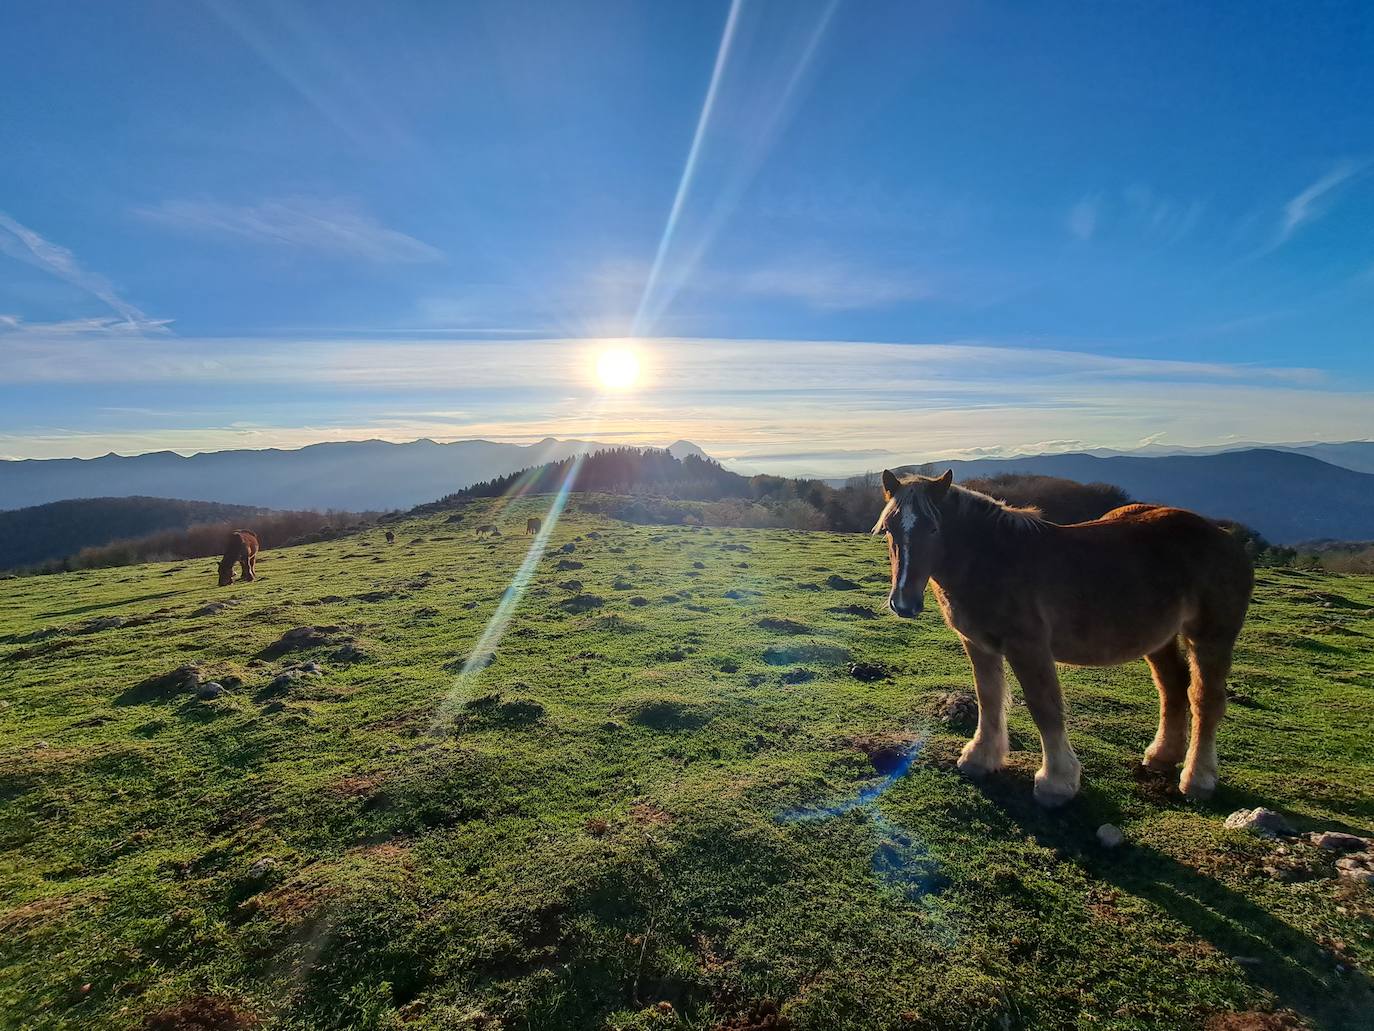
(867,671)
(162,688)
(493,708)
(1254,1020)
(761,1016)
(568,564)
(582,603)
(202,1013)
(355,787)
(304,638)
(667,712)
(838,583)
(957,710)
(784,626)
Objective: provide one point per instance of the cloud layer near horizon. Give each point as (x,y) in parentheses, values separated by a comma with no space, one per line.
(804,406)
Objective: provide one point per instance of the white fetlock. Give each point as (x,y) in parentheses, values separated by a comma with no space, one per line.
(1198,783)
(1055,787)
(981,757)
(1163,756)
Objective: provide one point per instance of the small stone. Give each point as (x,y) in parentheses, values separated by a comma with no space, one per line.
(209,691)
(312,667)
(262,868)
(1110,835)
(1339,841)
(1264,822)
(1357,868)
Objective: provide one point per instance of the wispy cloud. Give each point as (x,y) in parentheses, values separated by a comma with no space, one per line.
(22,243)
(334,228)
(1082,221)
(1314,201)
(831,286)
(13,324)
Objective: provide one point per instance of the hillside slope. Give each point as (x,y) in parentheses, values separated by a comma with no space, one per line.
(32,535)
(662,800)
(1287,497)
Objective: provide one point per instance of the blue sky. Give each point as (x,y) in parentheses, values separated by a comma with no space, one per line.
(995,226)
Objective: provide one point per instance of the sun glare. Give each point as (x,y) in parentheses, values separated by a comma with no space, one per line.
(617,368)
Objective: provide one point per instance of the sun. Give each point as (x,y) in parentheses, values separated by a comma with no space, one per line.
(617,368)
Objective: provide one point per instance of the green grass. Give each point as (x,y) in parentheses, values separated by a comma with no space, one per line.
(603,819)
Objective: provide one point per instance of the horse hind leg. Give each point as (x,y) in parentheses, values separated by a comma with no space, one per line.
(1210,660)
(1171,677)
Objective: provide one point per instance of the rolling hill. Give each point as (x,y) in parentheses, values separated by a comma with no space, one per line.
(36,534)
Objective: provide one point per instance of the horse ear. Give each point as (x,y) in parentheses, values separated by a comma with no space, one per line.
(890,483)
(940,487)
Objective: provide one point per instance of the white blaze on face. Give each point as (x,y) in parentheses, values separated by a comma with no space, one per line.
(908,523)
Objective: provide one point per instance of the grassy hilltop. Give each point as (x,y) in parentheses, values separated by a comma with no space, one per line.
(660,805)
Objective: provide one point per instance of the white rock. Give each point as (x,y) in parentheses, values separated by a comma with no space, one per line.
(1339,841)
(1358,868)
(210,690)
(1110,835)
(1264,822)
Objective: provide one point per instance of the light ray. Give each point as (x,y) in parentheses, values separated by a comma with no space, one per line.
(485,649)
(689,169)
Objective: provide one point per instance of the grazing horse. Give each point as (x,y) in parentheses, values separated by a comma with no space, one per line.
(532,526)
(242,547)
(1140,581)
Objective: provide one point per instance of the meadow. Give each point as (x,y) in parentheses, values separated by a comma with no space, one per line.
(665,800)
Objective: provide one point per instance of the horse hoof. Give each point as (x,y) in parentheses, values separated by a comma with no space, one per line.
(1052,792)
(1198,786)
(977,763)
(1157,765)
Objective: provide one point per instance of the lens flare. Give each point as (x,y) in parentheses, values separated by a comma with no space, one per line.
(617,369)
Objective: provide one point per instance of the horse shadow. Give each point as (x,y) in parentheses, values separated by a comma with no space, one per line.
(1274,955)
(118,603)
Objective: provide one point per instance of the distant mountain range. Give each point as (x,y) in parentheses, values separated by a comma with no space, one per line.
(1350,454)
(352,475)
(1289,492)
(1285,495)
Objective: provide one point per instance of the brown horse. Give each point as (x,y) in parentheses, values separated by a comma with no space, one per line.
(532,526)
(1134,583)
(242,547)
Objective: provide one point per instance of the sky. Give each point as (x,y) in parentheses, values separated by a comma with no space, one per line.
(832,231)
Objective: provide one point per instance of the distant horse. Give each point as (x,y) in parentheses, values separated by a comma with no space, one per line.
(242,547)
(532,526)
(1136,582)
(390,537)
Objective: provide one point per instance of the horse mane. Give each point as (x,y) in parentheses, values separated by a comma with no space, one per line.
(964,503)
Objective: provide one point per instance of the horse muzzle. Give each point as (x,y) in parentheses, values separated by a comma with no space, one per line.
(906,610)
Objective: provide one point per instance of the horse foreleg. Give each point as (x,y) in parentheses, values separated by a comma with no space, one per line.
(246,564)
(987,751)
(1210,662)
(1057,779)
(1170,673)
